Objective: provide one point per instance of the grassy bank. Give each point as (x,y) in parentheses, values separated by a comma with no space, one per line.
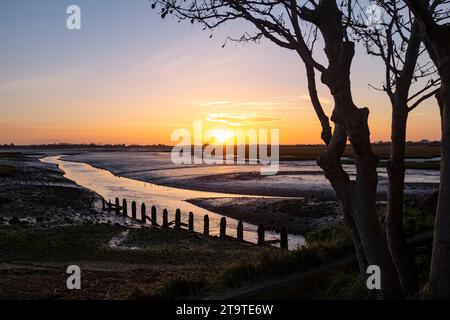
(158,258)
(311,152)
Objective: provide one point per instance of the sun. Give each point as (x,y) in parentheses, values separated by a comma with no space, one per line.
(221,135)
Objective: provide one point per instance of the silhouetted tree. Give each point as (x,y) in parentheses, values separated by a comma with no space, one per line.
(396,40)
(433,19)
(283,23)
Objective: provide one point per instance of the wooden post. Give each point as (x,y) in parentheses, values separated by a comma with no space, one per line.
(261,235)
(143,214)
(191,222)
(284,238)
(133,210)
(178,219)
(206,225)
(103,204)
(165,219)
(109,206)
(117,206)
(125,208)
(223,227)
(240,230)
(154,222)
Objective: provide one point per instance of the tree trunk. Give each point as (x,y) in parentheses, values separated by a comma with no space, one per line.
(401,256)
(328,18)
(330,162)
(438,47)
(440,262)
(364,191)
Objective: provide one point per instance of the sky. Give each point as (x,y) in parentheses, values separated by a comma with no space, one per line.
(130,77)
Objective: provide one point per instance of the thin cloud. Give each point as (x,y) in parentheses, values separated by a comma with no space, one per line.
(242,119)
(321,99)
(216,103)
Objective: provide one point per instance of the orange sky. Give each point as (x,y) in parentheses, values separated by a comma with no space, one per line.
(136,81)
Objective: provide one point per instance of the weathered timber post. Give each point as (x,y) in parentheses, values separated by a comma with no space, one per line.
(109,206)
(165,219)
(143,214)
(103,205)
(261,235)
(178,219)
(117,206)
(240,230)
(191,222)
(284,238)
(124,208)
(206,225)
(223,227)
(133,210)
(154,222)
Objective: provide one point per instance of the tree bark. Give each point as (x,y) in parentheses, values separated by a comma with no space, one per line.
(364,192)
(330,162)
(401,255)
(324,121)
(438,47)
(331,165)
(440,262)
(354,120)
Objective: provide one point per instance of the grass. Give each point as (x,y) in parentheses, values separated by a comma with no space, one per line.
(214,264)
(182,287)
(87,242)
(414,150)
(59,244)
(11,155)
(4,200)
(425,165)
(324,245)
(339,286)
(7,170)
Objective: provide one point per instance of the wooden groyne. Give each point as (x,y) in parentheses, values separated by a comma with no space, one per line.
(178,224)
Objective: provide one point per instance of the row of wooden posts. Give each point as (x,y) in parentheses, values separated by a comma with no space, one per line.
(177,224)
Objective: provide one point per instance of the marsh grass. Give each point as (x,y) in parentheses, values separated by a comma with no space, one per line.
(11,155)
(4,200)
(7,170)
(311,152)
(181,287)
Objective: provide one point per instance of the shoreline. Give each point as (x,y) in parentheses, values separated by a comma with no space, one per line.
(47,223)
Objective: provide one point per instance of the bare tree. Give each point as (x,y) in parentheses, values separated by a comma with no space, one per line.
(433,19)
(282,22)
(396,40)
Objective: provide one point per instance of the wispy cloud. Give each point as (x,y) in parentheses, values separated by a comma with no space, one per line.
(216,103)
(321,99)
(241,119)
(287,102)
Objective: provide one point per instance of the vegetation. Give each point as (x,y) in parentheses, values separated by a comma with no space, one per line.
(4,200)
(11,155)
(7,170)
(312,152)
(182,287)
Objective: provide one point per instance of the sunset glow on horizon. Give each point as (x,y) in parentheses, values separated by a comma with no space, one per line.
(129,77)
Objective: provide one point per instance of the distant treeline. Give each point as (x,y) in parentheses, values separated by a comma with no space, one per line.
(83,146)
(414,149)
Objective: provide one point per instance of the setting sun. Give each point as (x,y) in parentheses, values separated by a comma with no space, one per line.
(221,135)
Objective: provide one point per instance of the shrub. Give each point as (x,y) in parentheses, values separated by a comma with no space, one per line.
(344,286)
(182,287)
(238,273)
(336,235)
